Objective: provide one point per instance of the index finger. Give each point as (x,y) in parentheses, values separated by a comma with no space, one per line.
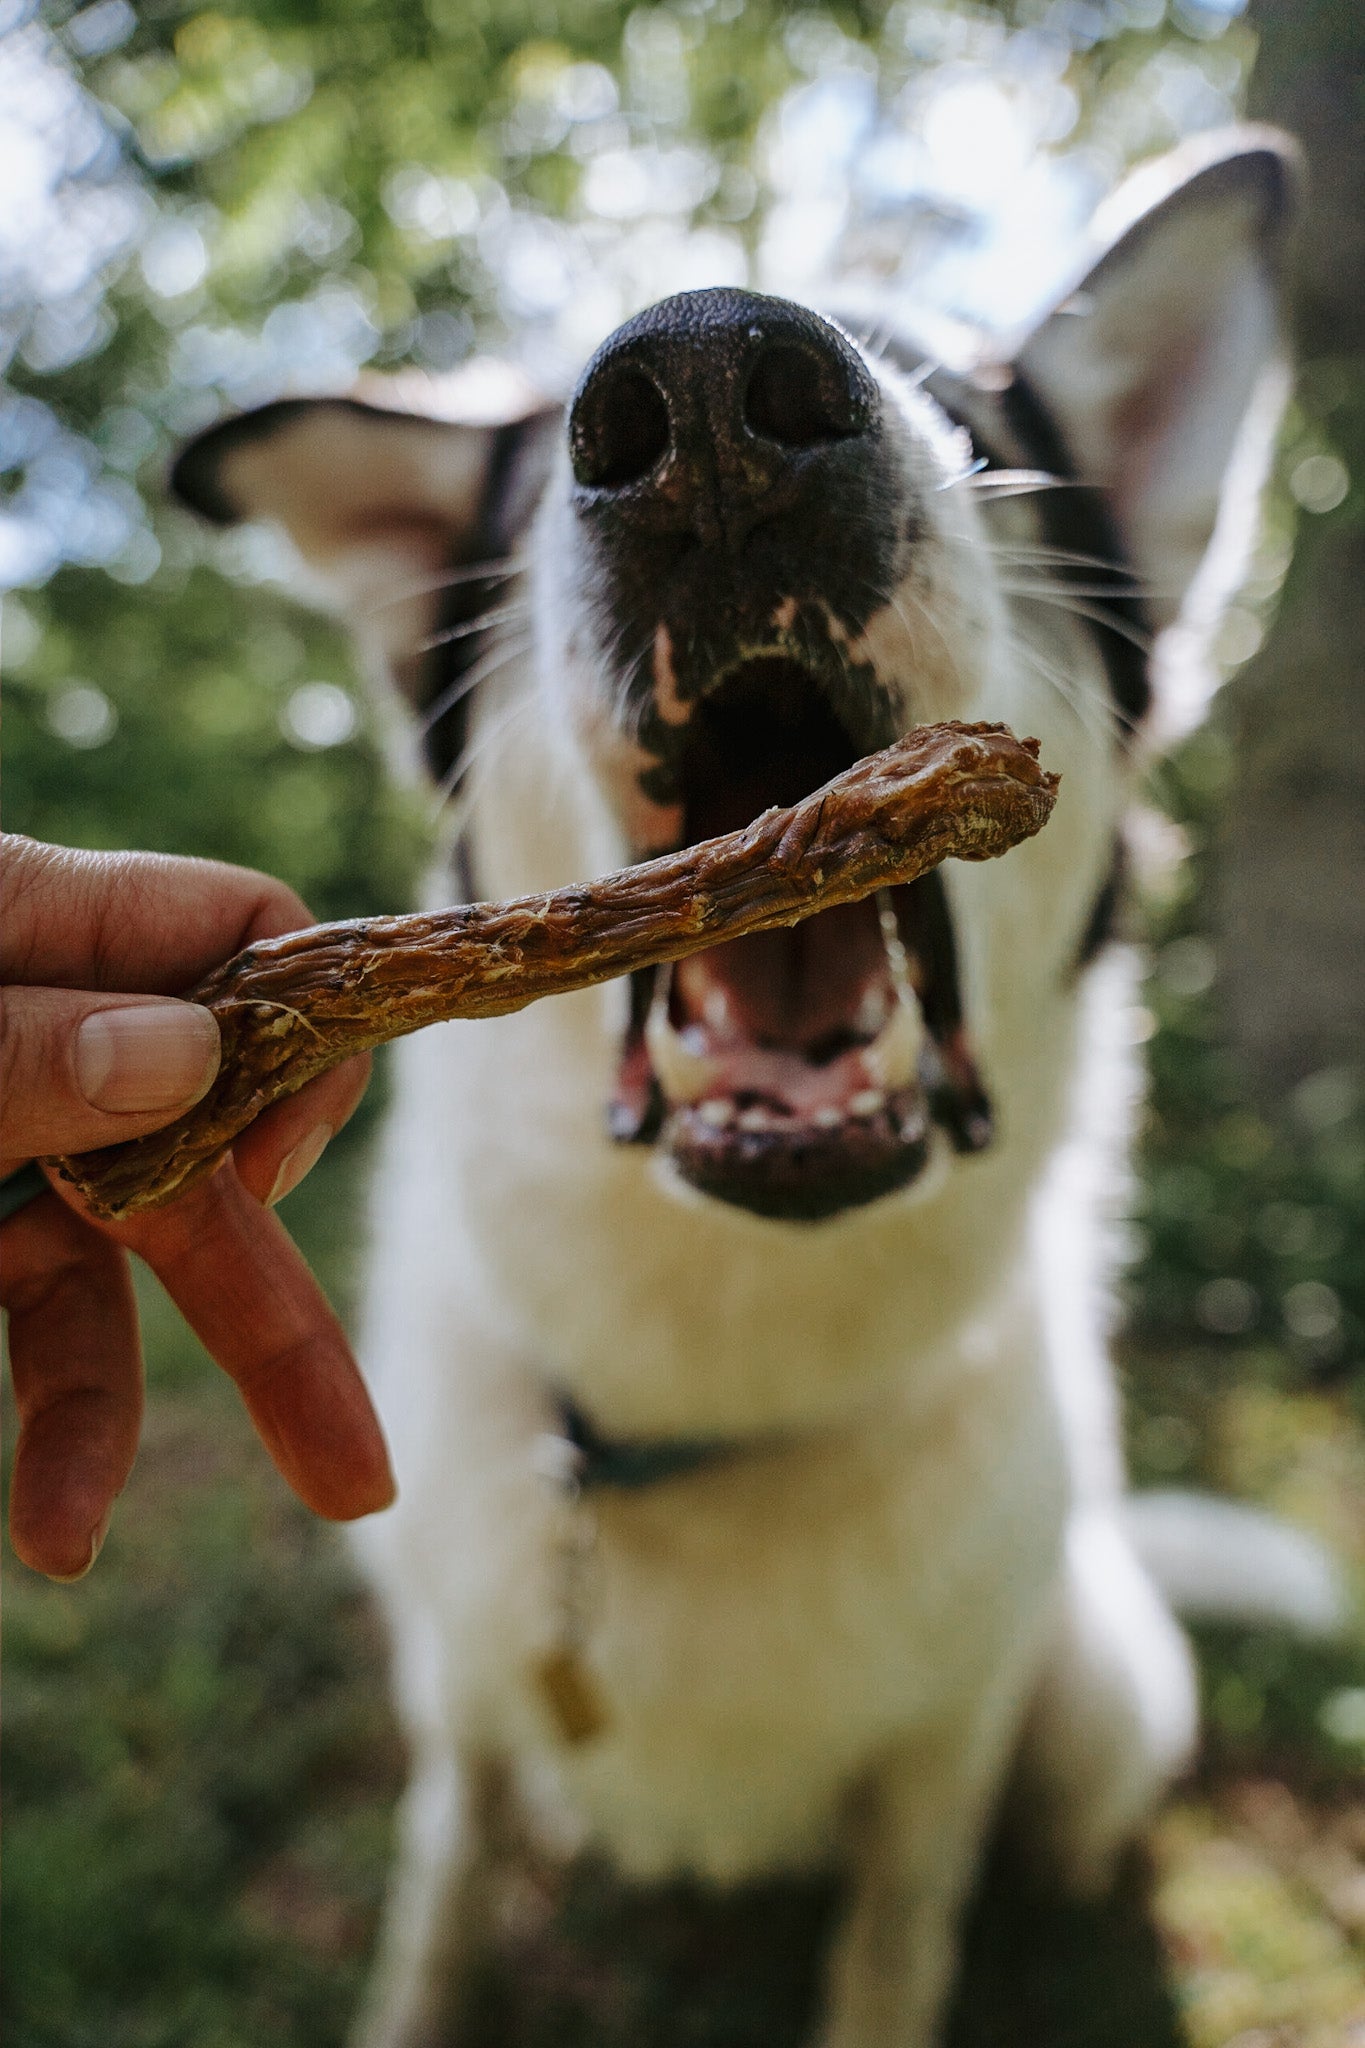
(246,1291)
(148,923)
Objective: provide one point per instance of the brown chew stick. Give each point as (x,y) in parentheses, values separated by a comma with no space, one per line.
(289,1008)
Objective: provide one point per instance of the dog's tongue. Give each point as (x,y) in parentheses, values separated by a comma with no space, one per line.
(785,1018)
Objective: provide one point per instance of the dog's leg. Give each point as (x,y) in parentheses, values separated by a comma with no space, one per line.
(433,1924)
(1115,1714)
(433,1916)
(918,1826)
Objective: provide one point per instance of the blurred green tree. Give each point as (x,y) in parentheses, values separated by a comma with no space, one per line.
(1292,868)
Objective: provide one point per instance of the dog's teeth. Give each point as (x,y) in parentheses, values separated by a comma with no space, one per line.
(892,1058)
(872,1011)
(716,1009)
(827,1118)
(684,1075)
(896,956)
(867,1102)
(755,1119)
(717,1113)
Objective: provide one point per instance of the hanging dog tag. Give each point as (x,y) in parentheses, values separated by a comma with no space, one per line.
(568,1688)
(571,1694)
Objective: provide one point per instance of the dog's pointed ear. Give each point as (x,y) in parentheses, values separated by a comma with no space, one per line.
(1164,368)
(382,494)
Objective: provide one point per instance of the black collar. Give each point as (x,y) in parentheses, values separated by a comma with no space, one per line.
(634,1462)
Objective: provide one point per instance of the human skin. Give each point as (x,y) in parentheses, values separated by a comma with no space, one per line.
(92,945)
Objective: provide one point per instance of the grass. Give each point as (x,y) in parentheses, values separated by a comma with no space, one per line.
(201,1769)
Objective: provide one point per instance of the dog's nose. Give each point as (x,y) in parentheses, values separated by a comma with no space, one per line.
(702,415)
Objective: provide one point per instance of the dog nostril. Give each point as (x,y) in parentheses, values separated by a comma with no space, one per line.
(620,429)
(799,399)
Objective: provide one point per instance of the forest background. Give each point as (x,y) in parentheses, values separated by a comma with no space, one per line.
(203,208)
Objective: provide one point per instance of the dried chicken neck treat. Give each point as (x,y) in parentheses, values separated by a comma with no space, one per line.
(289,1008)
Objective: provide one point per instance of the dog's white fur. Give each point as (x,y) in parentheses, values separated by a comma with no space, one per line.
(840,1643)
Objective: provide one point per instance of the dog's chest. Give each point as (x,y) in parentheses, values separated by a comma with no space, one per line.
(757,1631)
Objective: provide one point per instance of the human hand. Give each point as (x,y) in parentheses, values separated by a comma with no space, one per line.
(91,1053)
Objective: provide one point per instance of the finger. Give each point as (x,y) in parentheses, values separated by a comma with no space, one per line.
(80,1070)
(73,1342)
(71,919)
(242,1285)
(275,1153)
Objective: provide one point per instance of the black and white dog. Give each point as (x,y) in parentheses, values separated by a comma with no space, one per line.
(740,1331)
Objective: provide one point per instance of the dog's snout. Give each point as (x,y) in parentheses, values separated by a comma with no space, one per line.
(735,487)
(702,407)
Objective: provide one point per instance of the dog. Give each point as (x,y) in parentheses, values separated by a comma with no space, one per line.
(740,1329)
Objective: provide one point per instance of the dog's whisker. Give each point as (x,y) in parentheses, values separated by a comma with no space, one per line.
(930,619)
(1059,589)
(1096,614)
(1094,718)
(1097,579)
(493,571)
(982,462)
(1028,554)
(1020,483)
(481,624)
(1082,706)
(488,664)
(876,343)
(448,797)
(632,699)
(1017,479)
(1095,723)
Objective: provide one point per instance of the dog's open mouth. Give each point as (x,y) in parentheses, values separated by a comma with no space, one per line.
(797,1073)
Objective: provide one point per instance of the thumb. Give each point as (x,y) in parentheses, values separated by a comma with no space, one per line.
(81,1070)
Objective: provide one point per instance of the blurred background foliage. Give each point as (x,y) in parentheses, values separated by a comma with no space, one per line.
(207,207)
